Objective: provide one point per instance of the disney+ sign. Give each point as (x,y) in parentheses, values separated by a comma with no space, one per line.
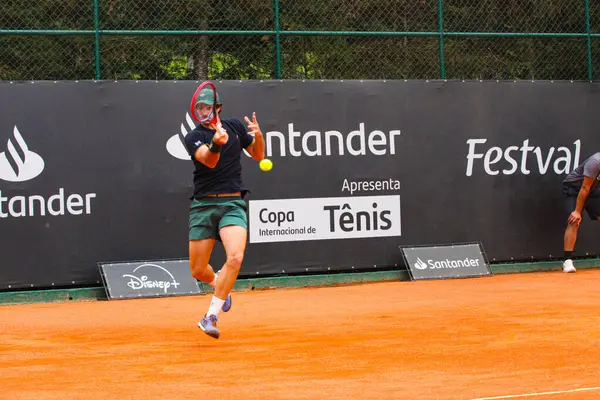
(148,279)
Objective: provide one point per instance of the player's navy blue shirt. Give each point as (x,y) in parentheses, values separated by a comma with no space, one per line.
(226,176)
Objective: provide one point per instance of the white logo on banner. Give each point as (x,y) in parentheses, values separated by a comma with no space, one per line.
(175,144)
(447,263)
(521,160)
(19,164)
(142,281)
(420,264)
(289,220)
(316,143)
(26,164)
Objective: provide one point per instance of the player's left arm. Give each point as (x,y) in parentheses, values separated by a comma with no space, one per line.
(257,147)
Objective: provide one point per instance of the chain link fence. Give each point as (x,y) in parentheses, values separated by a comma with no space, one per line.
(299,39)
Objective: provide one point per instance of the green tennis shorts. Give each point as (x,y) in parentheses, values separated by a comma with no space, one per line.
(209,214)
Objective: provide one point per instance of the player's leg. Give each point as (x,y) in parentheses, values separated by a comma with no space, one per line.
(200,251)
(203,225)
(234,240)
(233,225)
(570,239)
(570,236)
(233,230)
(592,208)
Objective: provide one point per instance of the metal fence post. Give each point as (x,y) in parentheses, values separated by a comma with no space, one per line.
(589,40)
(97,39)
(441,33)
(277,39)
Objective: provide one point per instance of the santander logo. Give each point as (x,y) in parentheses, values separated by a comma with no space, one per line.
(18,163)
(420,264)
(175,145)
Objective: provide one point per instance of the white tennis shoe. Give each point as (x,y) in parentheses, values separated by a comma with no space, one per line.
(568,266)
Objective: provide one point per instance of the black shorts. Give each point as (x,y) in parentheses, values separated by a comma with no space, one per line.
(592,203)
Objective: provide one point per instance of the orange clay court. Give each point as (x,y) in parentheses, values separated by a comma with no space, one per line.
(526,336)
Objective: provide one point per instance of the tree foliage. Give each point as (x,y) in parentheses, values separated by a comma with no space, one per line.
(172,54)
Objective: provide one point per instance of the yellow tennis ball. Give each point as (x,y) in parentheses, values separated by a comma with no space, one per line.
(265,164)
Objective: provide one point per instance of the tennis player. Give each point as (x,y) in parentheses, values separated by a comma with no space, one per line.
(218,210)
(581,190)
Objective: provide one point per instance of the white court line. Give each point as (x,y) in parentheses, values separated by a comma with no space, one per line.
(513,396)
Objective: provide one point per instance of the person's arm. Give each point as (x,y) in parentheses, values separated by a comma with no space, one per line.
(210,153)
(575,217)
(591,170)
(257,148)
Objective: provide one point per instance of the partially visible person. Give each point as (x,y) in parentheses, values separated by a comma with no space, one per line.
(581,190)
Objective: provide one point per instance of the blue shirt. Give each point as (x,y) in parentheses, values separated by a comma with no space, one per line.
(226,176)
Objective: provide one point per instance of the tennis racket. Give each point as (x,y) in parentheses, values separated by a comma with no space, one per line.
(206,91)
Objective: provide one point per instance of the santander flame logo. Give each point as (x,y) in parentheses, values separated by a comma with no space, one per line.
(175,145)
(420,264)
(18,163)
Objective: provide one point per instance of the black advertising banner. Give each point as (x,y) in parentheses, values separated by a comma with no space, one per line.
(96,172)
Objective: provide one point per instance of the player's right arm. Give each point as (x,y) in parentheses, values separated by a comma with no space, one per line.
(591,171)
(575,217)
(207,157)
(209,153)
